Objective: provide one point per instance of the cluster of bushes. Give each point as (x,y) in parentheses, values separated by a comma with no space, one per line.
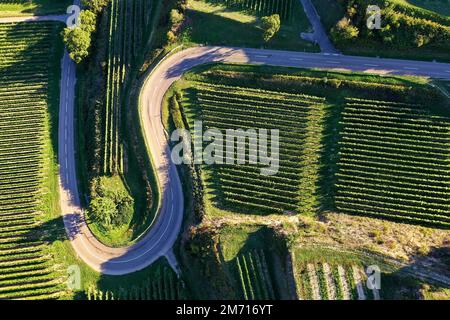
(270,25)
(401,27)
(78,38)
(110,207)
(176,20)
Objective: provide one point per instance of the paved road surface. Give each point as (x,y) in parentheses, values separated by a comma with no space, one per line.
(319,35)
(60,18)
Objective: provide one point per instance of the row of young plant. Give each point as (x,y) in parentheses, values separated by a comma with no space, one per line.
(128,22)
(27,270)
(405,175)
(323,281)
(254,276)
(163,286)
(298,117)
(263,7)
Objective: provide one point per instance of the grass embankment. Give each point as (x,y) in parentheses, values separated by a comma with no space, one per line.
(237,262)
(10,8)
(227,23)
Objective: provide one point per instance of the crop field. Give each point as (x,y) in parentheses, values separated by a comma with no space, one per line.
(128,22)
(241,262)
(322,281)
(394,162)
(256,282)
(163,286)
(381,158)
(298,119)
(339,273)
(323,274)
(29,75)
(263,7)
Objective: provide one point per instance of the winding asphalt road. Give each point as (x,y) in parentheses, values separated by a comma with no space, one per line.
(163,234)
(161,237)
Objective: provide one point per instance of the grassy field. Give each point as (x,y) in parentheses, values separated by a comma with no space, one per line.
(328,169)
(35,7)
(222,23)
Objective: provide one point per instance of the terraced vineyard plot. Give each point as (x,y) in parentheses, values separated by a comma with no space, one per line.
(298,119)
(128,25)
(394,162)
(29,82)
(263,7)
(164,286)
(256,282)
(323,281)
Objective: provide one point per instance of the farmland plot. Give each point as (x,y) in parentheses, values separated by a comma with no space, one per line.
(128,22)
(322,281)
(394,162)
(298,119)
(164,285)
(29,82)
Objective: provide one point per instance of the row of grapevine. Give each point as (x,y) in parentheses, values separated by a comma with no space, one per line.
(298,119)
(323,281)
(28,58)
(263,7)
(394,162)
(128,25)
(163,286)
(254,276)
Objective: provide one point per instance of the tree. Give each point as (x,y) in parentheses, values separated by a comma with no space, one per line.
(78,39)
(171,37)
(344,31)
(95,5)
(175,17)
(103,210)
(88,21)
(270,25)
(77,42)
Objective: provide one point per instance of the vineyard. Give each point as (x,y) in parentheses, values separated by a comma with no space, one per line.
(394,162)
(263,7)
(128,22)
(297,117)
(324,281)
(254,276)
(29,78)
(163,286)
